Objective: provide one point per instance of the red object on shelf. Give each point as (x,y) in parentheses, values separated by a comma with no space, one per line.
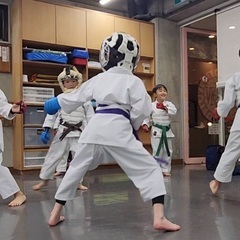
(79,61)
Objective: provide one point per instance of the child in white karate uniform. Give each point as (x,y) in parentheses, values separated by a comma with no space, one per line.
(69,128)
(8,186)
(123,104)
(161,132)
(231,154)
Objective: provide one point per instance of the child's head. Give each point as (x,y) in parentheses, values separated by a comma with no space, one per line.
(120,49)
(70,78)
(70,83)
(160,91)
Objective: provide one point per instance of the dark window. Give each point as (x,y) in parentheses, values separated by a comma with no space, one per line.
(4,23)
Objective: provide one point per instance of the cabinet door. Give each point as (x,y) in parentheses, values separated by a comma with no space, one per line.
(38,21)
(70,26)
(147,39)
(127,26)
(99,26)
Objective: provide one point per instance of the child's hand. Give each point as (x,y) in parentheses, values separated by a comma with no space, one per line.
(145,128)
(215,114)
(161,106)
(18,107)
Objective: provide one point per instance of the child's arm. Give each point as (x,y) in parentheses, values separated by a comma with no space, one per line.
(8,110)
(225,105)
(50,120)
(170,108)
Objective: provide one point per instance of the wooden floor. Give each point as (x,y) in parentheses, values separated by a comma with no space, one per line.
(112,209)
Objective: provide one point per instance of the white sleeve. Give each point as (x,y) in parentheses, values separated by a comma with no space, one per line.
(171,108)
(5,107)
(228,102)
(50,120)
(71,101)
(141,104)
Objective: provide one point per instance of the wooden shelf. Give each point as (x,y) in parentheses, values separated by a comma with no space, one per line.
(37,148)
(40,84)
(32,125)
(48,64)
(144,74)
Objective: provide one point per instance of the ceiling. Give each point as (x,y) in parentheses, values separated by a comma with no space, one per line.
(188,11)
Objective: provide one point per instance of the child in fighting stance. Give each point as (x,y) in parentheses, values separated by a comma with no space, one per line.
(69,128)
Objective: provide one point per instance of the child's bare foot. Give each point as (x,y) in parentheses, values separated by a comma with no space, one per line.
(160,222)
(82,187)
(164,224)
(40,185)
(55,217)
(166,174)
(56,174)
(19,199)
(214,186)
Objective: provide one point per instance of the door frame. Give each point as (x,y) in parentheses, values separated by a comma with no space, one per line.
(184,62)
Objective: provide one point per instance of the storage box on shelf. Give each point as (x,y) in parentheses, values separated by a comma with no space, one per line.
(94,66)
(32,137)
(34,158)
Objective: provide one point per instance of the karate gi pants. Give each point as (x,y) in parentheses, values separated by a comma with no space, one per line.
(138,164)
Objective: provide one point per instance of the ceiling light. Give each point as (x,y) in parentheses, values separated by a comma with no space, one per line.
(232,27)
(102,2)
(211,36)
(191,48)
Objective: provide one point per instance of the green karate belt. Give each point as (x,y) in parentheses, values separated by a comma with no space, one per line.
(163,138)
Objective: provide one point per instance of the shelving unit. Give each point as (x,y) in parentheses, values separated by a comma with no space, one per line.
(28,15)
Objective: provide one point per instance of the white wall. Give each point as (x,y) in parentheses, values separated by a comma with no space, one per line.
(228,44)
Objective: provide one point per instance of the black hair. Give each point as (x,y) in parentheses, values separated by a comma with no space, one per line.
(158,86)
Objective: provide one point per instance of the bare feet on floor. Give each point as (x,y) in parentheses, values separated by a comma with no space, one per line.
(19,199)
(40,185)
(55,217)
(214,186)
(166,174)
(164,224)
(82,187)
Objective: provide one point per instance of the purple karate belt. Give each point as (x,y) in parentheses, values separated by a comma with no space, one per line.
(119,112)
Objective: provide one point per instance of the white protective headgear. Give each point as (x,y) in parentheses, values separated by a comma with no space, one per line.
(120,49)
(70,72)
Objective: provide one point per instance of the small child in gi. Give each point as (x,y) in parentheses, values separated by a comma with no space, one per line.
(161,133)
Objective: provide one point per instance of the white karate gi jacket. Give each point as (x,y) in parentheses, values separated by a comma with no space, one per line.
(161,117)
(128,94)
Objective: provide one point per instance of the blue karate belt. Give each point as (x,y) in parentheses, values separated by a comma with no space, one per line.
(163,138)
(116,111)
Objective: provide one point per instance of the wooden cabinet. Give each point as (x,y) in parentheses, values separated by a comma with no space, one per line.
(38,21)
(127,26)
(70,26)
(99,26)
(147,38)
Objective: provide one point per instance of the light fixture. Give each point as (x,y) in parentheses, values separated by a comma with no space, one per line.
(209,124)
(211,36)
(231,27)
(191,48)
(102,2)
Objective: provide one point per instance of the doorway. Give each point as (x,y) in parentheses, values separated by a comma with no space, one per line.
(199,58)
